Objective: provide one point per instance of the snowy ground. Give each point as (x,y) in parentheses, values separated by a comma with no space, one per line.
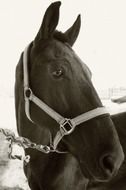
(11,171)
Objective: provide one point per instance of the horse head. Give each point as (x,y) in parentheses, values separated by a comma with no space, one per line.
(59,78)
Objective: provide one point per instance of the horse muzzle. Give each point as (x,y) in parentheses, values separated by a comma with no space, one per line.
(106,167)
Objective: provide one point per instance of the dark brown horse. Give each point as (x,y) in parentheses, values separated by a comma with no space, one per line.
(62,85)
(119,181)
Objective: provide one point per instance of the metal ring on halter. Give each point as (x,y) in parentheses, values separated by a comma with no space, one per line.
(46,149)
(27,93)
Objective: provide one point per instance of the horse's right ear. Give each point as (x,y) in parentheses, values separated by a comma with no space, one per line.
(50,21)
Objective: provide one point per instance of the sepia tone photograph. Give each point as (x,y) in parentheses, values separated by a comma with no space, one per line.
(63,95)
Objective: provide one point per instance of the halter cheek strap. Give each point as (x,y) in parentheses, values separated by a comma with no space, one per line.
(67,126)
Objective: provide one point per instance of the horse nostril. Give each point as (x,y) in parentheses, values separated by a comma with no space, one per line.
(107,164)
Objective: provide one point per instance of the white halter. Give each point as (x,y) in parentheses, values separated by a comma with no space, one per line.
(67,126)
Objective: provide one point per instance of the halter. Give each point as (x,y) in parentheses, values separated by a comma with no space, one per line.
(66,125)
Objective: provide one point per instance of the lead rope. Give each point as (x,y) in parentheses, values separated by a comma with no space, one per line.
(24,143)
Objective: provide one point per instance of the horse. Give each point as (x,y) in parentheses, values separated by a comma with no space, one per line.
(118,182)
(59,110)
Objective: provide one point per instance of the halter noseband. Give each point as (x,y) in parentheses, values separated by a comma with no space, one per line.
(67,126)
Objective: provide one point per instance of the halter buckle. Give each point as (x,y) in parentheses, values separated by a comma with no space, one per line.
(67,127)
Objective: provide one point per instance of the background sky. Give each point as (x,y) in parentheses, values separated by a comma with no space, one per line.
(101,43)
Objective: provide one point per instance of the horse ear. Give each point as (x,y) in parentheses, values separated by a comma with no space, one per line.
(72,33)
(50,21)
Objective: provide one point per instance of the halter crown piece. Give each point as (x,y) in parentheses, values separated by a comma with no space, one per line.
(66,125)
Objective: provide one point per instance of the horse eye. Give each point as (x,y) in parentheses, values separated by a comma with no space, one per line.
(58,73)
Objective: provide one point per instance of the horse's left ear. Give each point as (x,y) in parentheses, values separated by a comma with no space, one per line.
(72,33)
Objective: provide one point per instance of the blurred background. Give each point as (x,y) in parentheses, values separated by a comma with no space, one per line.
(101,45)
